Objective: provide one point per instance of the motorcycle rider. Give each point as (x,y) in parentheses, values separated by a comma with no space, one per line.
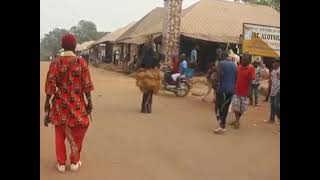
(183,65)
(174,68)
(175,64)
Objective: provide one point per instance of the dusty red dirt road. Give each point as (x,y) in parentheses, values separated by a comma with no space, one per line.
(173,143)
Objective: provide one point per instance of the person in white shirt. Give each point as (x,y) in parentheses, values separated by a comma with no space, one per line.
(194,57)
(265,71)
(182,67)
(117,55)
(235,58)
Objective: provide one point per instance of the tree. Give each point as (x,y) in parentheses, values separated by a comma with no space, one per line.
(86,31)
(100,35)
(272,3)
(50,44)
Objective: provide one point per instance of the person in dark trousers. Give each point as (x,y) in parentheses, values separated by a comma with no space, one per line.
(269,89)
(114,57)
(226,78)
(211,77)
(275,92)
(255,84)
(148,63)
(135,61)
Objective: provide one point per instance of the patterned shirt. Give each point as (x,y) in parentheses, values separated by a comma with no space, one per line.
(258,76)
(68,79)
(275,82)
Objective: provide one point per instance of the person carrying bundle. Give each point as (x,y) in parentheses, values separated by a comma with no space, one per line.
(148,76)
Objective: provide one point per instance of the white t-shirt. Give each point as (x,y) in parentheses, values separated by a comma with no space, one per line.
(117,54)
(236,59)
(193,56)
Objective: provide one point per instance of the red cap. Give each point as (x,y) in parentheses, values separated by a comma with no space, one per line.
(68,41)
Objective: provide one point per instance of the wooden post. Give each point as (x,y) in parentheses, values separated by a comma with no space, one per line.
(171,28)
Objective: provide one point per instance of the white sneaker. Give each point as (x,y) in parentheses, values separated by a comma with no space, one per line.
(61,168)
(219,130)
(75,167)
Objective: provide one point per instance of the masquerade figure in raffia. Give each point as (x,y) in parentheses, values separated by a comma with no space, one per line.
(148,76)
(68,81)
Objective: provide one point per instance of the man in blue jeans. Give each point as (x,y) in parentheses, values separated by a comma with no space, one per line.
(275,92)
(226,78)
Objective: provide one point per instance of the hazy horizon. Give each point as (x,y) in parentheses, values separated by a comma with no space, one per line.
(106,14)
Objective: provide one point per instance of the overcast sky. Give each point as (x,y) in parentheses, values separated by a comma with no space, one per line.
(108,15)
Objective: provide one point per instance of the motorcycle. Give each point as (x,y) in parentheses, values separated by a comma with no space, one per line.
(93,61)
(181,87)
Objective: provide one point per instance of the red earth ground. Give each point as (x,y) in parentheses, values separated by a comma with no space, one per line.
(175,142)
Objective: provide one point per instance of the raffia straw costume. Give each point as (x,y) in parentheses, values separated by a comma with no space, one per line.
(148,77)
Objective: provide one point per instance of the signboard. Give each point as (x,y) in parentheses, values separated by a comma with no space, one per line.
(261,40)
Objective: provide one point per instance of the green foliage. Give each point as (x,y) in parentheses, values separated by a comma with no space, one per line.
(50,44)
(85,31)
(272,3)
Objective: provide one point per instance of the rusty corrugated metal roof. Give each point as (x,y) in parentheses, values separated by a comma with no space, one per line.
(113,36)
(149,24)
(140,39)
(84,45)
(222,21)
(211,20)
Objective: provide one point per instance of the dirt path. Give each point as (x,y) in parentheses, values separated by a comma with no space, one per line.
(173,143)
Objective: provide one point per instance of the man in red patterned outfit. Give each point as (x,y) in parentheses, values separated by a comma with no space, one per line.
(68,81)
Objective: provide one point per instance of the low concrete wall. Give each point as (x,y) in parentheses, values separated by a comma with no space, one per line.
(199,86)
